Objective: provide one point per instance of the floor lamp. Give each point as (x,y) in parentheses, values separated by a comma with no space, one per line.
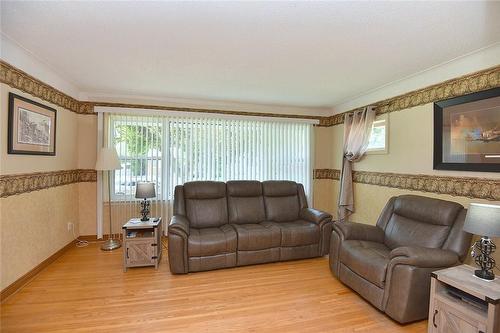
(107,160)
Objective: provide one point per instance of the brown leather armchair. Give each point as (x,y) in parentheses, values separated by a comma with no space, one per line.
(218,225)
(389,264)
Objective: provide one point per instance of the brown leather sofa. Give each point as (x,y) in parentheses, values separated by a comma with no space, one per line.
(217,225)
(390,264)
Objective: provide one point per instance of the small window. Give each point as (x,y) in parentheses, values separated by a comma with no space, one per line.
(378,137)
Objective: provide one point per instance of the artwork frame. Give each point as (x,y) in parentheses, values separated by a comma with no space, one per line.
(467,132)
(31,127)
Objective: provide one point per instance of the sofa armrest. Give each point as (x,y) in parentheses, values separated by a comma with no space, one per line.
(315,216)
(424,257)
(179,223)
(359,231)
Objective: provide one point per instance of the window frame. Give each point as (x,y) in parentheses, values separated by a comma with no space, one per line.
(384,120)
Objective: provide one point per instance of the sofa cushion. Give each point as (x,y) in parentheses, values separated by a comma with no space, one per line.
(281,200)
(245,202)
(298,233)
(260,236)
(206,204)
(367,259)
(211,241)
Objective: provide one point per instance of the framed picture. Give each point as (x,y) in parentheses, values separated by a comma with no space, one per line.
(467,132)
(32,127)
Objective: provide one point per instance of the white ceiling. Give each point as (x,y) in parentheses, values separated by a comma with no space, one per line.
(307,54)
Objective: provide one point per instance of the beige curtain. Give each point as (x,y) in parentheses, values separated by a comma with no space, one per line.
(357,129)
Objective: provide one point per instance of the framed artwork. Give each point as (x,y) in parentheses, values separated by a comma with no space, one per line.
(467,132)
(31,128)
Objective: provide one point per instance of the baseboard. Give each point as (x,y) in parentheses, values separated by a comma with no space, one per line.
(23,280)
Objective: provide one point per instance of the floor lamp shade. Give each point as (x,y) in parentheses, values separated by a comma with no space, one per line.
(108,159)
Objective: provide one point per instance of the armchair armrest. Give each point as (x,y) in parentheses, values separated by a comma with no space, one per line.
(314,215)
(179,223)
(424,257)
(359,231)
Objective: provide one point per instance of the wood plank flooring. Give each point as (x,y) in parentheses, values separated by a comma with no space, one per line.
(86,291)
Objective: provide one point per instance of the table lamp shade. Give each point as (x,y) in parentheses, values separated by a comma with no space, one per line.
(145,190)
(108,160)
(483,220)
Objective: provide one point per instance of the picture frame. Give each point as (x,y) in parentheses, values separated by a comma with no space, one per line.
(467,132)
(31,127)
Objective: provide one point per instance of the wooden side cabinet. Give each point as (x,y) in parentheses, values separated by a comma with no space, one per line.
(463,303)
(142,243)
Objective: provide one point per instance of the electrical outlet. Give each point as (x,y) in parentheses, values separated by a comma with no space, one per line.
(70,226)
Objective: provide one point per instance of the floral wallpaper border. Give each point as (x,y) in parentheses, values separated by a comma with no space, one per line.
(21,80)
(467,84)
(463,85)
(470,187)
(28,182)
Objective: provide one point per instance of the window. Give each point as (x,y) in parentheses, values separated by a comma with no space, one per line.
(173,150)
(379,135)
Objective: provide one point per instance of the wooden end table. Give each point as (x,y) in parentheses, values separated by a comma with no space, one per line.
(142,243)
(461,302)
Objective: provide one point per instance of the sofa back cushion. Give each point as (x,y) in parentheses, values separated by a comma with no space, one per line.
(245,202)
(420,221)
(281,199)
(205,204)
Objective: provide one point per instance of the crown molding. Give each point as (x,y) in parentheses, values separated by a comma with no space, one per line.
(471,62)
(470,187)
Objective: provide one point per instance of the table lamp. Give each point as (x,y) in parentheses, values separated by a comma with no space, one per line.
(145,191)
(483,220)
(108,160)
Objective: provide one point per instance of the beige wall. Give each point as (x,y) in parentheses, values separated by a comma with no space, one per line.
(33,226)
(410,151)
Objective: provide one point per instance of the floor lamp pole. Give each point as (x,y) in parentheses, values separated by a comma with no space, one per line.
(111,243)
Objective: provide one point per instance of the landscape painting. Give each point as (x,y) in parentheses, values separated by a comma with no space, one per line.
(32,127)
(467,132)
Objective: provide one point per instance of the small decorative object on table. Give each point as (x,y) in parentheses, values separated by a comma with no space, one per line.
(142,243)
(483,220)
(145,191)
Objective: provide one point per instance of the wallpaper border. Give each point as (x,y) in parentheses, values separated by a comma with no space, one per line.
(21,80)
(467,84)
(470,187)
(28,182)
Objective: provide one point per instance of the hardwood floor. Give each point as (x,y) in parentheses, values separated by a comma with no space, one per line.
(86,291)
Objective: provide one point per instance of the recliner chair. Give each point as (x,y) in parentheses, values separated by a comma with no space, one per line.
(389,264)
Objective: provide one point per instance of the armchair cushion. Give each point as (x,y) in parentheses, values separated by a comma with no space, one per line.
(314,215)
(179,223)
(359,231)
(423,257)
(367,259)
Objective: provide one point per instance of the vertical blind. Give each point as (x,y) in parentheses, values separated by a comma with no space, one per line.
(171,150)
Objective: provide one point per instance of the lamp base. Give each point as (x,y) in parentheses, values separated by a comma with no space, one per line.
(111,244)
(485,275)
